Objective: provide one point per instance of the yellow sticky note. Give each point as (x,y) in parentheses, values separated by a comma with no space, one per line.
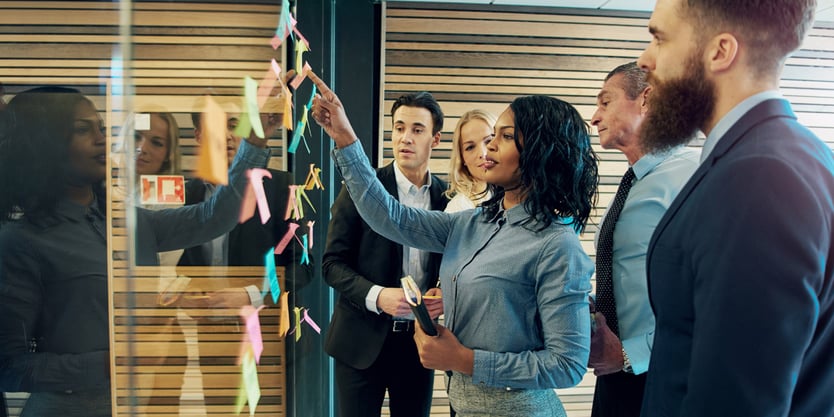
(251,93)
(212,161)
(297,323)
(287,120)
(250,381)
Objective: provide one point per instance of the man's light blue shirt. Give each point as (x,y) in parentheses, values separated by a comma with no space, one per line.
(658,180)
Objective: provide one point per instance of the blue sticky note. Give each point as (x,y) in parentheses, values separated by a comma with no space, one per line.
(272,275)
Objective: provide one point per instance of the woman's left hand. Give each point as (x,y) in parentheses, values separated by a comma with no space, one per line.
(443,351)
(433,299)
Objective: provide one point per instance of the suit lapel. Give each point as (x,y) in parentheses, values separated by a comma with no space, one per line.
(758,114)
(389,181)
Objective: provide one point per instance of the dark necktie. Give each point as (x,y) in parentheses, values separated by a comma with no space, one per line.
(605,302)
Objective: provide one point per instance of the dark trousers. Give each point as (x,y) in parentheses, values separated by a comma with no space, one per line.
(619,395)
(361,392)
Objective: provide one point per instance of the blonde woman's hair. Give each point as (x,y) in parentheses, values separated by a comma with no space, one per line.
(460,179)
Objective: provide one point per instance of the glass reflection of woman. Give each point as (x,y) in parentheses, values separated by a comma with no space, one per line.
(515,278)
(53,250)
(467,187)
(156,153)
(157,148)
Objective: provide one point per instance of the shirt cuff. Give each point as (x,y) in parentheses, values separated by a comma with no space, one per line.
(638,353)
(482,368)
(255,297)
(370,299)
(253,155)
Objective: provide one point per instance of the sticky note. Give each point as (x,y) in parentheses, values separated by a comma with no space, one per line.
(252,109)
(256,176)
(253,329)
(284,320)
(279,248)
(309,320)
(250,382)
(142,121)
(300,77)
(297,329)
(212,161)
(272,275)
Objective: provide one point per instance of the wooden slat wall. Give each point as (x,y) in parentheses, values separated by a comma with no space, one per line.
(180,50)
(480,56)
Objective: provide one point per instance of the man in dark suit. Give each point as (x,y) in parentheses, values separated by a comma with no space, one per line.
(740,267)
(371,332)
(248,242)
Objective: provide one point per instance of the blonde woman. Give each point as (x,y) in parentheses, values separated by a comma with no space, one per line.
(467,187)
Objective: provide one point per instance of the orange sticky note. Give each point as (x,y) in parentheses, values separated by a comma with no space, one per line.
(212,161)
(284,322)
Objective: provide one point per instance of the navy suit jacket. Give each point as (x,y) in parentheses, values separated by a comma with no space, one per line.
(355,259)
(740,278)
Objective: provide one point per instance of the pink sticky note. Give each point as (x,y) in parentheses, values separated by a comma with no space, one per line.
(291,228)
(265,87)
(256,178)
(310,321)
(300,77)
(276,68)
(291,202)
(276,41)
(253,329)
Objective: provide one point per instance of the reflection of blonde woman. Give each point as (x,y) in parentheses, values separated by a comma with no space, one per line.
(156,152)
(467,188)
(157,148)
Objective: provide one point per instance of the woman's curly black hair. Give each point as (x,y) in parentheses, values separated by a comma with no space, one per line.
(557,165)
(35,133)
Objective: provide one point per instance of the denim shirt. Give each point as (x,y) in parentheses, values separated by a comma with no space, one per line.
(516,296)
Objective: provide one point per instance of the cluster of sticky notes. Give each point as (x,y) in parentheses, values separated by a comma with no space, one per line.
(302,315)
(269,96)
(301,125)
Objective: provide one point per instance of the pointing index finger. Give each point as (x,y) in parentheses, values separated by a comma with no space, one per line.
(324,90)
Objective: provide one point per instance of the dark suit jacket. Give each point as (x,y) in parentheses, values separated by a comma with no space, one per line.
(740,278)
(355,259)
(248,242)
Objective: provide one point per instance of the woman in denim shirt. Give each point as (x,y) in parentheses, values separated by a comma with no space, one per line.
(514,276)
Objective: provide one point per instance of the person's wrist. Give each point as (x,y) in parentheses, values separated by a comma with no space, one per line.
(627,368)
(345,140)
(254,140)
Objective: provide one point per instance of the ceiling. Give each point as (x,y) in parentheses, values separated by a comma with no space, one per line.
(825,8)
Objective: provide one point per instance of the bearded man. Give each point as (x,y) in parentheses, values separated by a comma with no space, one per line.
(740,267)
